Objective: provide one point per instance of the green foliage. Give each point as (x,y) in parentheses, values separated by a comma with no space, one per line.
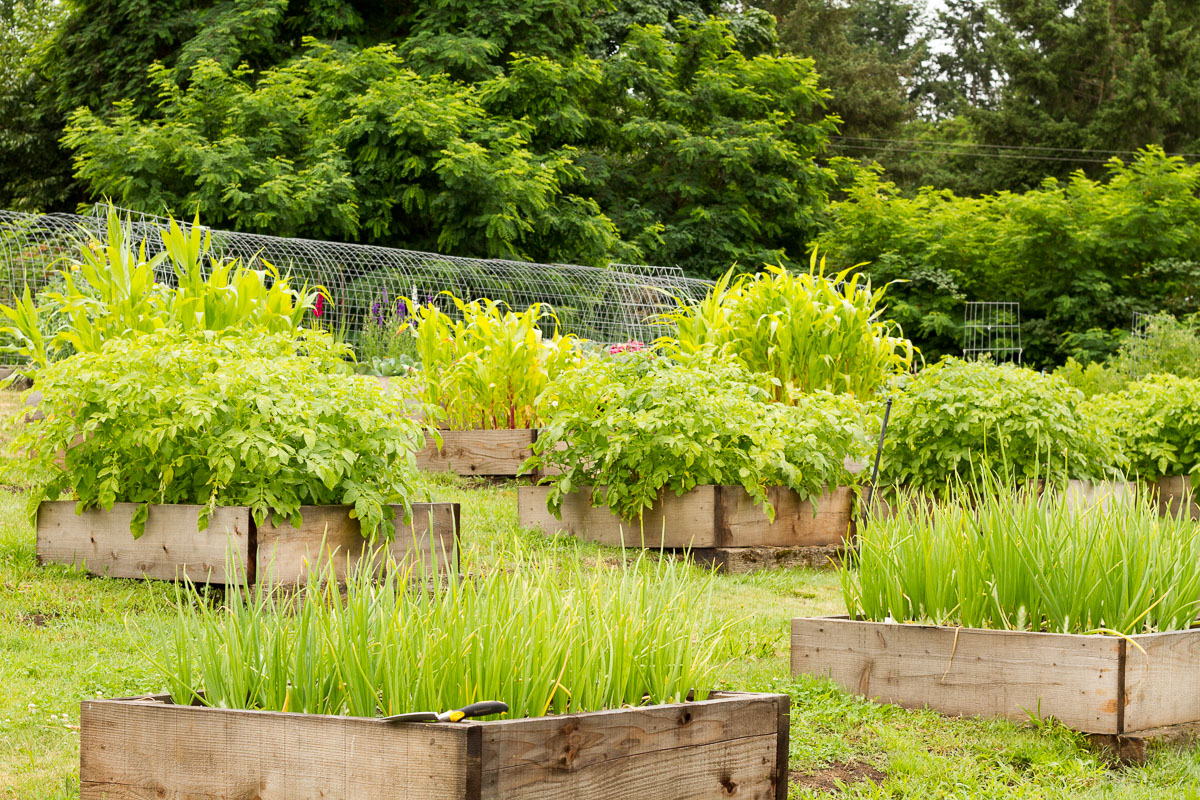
(675,151)
(1017,562)
(963,420)
(1165,346)
(807,331)
(1076,255)
(110,291)
(639,425)
(1157,424)
(541,639)
(1094,378)
(486,366)
(243,417)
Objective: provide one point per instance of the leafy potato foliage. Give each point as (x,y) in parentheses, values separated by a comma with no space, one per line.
(259,419)
(639,425)
(958,420)
(1157,424)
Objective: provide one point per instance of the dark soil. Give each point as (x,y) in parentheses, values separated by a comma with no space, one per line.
(844,773)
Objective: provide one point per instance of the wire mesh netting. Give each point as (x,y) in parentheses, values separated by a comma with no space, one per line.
(366,283)
(1139,334)
(992,330)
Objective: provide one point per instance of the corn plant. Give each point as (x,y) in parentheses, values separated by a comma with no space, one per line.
(487,367)
(542,637)
(809,331)
(110,291)
(1012,560)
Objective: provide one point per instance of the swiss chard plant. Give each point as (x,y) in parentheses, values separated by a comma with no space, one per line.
(958,420)
(266,420)
(485,366)
(1157,424)
(639,425)
(808,330)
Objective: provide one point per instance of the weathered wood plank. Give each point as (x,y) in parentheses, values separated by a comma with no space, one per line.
(172,546)
(578,741)
(706,517)
(723,746)
(796,523)
(737,560)
(1162,680)
(673,522)
(737,767)
(138,750)
(1175,496)
(965,671)
(482,453)
(288,555)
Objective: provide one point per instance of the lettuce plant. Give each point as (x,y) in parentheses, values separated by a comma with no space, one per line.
(640,424)
(254,418)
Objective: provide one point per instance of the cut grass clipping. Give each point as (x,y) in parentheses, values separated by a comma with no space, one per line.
(1015,561)
(541,637)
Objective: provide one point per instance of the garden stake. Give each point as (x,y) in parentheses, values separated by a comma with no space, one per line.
(887,412)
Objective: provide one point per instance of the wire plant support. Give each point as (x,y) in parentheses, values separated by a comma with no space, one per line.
(368,283)
(992,330)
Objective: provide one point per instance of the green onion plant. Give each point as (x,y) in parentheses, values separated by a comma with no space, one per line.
(1010,559)
(546,638)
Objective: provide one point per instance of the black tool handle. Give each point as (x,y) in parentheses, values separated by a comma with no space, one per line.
(484,709)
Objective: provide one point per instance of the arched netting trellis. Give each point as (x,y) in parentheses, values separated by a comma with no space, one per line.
(612,304)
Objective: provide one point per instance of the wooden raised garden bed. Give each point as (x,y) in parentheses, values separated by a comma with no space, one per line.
(483,454)
(733,745)
(173,546)
(722,525)
(1176,493)
(1097,684)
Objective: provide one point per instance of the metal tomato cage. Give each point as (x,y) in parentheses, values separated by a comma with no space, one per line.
(367,283)
(992,330)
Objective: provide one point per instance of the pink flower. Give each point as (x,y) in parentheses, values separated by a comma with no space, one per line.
(319,306)
(632,346)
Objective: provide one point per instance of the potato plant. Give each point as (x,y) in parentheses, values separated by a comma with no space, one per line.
(259,419)
(640,424)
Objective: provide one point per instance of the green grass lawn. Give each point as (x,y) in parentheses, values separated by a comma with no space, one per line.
(65,637)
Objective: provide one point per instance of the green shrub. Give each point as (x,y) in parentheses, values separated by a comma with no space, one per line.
(1157,424)
(957,420)
(486,367)
(808,331)
(250,418)
(639,425)
(541,638)
(1015,561)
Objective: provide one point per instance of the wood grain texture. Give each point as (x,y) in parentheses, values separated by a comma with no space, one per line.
(1175,496)
(288,556)
(135,750)
(738,560)
(706,517)
(480,453)
(729,745)
(965,671)
(1162,680)
(715,748)
(797,523)
(172,546)
(673,522)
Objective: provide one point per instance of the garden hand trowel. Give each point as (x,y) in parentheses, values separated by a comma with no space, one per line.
(483,709)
